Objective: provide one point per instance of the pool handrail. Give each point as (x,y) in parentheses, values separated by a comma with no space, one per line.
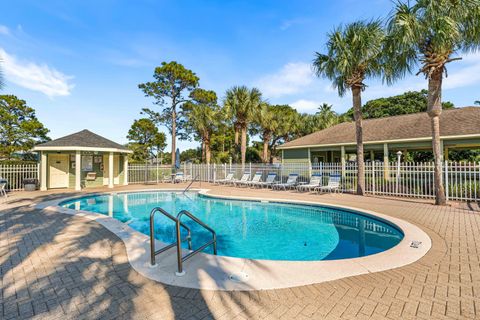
(154,253)
(191,182)
(180,258)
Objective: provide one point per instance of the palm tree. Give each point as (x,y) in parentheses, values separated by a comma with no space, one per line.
(202,117)
(242,104)
(431,33)
(326,117)
(477,102)
(354,53)
(266,124)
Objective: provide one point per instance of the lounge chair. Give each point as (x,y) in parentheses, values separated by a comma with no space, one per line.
(227,179)
(243,179)
(256,178)
(315,181)
(3,184)
(269,181)
(332,186)
(291,182)
(179,177)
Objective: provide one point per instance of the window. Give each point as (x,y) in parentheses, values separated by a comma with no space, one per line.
(87,163)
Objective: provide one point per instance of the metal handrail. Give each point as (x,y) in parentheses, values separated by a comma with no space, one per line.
(213,242)
(153,253)
(191,182)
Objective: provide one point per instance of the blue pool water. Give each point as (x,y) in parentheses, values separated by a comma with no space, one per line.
(251,229)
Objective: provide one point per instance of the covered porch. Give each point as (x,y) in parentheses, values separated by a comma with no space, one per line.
(82,160)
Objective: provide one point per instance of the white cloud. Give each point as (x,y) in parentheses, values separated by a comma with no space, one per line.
(288,23)
(468,73)
(307,106)
(292,78)
(4,30)
(35,77)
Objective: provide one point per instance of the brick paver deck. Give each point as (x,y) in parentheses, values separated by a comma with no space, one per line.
(56,266)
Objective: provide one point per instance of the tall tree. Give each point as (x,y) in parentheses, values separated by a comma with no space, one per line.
(202,115)
(173,82)
(146,140)
(266,123)
(431,33)
(405,103)
(20,129)
(326,117)
(242,104)
(477,102)
(354,53)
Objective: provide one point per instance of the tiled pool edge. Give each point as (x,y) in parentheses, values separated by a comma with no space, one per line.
(212,272)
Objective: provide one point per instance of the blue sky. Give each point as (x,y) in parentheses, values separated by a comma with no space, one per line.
(78,63)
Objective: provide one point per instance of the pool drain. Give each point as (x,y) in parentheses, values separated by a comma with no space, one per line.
(238,277)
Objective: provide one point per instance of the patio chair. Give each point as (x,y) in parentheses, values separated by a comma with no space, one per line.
(227,179)
(332,186)
(269,181)
(315,181)
(243,179)
(3,184)
(256,178)
(179,177)
(291,182)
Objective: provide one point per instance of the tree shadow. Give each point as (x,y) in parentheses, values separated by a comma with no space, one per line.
(55,265)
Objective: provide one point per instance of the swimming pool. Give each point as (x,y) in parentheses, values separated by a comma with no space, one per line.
(252,229)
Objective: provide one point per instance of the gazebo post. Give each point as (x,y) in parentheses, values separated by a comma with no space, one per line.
(125,170)
(110,170)
(78,172)
(43,171)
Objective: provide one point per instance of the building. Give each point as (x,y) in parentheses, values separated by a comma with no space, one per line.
(81,160)
(459,129)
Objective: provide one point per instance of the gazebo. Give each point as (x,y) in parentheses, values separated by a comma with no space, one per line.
(82,160)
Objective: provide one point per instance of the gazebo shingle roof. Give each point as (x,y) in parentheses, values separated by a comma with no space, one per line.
(84,139)
(453,122)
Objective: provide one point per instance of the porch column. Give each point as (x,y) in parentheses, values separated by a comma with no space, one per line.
(43,171)
(125,170)
(386,165)
(445,153)
(442,150)
(110,170)
(309,163)
(343,160)
(372,155)
(78,172)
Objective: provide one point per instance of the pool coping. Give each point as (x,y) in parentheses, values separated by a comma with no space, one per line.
(209,272)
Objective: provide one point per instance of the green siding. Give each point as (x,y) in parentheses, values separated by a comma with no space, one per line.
(295,155)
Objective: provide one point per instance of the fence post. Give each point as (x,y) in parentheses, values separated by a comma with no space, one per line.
(373,177)
(446,179)
(214,172)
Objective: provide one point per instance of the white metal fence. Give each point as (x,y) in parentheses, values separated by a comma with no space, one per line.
(406,179)
(16,174)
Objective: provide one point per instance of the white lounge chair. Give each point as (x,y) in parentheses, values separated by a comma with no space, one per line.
(179,177)
(243,179)
(332,186)
(291,182)
(3,184)
(256,178)
(227,179)
(269,181)
(315,181)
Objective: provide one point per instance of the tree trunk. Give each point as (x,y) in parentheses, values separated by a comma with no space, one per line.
(434,111)
(236,135)
(174,135)
(203,151)
(207,151)
(357,106)
(244,144)
(265,151)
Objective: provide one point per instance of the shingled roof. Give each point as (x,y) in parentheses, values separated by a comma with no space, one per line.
(453,122)
(82,140)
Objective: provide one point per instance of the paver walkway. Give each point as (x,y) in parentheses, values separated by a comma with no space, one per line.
(56,266)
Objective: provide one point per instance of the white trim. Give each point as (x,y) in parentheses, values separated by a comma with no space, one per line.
(466,136)
(74,148)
